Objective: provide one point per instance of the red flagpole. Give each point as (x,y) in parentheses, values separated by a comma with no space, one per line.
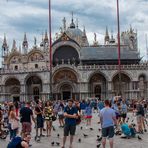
(50,49)
(119,54)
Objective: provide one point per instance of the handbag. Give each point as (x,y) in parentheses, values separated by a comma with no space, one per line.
(54,118)
(14,124)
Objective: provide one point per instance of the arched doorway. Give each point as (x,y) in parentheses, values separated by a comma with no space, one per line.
(34,87)
(97,86)
(124,85)
(66,91)
(65,85)
(12,89)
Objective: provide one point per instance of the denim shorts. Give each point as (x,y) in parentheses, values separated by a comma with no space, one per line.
(108,132)
(40,122)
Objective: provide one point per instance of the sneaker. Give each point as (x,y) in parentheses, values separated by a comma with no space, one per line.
(123,136)
(38,139)
(42,135)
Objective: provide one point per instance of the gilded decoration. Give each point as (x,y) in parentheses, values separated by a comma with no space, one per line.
(65,75)
(15,60)
(36,57)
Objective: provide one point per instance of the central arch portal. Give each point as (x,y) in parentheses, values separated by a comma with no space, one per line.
(65,85)
(66,91)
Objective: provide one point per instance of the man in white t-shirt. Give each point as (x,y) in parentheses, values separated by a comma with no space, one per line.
(108,120)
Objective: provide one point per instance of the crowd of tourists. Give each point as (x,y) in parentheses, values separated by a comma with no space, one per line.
(20,118)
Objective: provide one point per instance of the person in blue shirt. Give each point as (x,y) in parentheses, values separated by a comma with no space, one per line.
(70,114)
(88,113)
(127,130)
(108,120)
(82,107)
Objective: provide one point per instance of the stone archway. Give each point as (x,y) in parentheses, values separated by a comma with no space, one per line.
(12,89)
(66,91)
(98,86)
(65,84)
(34,87)
(124,85)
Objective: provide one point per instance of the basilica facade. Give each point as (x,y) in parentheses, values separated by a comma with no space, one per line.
(79,70)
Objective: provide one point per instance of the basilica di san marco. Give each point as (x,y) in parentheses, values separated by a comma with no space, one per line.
(80,70)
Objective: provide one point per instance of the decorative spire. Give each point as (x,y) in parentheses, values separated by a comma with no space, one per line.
(77,23)
(106,38)
(25,44)
(106,34)
(5,46)
(84,38)
(20,49)
(131,29)
(64,24)
(46,36)
(35,42)
(72,25)
(25,37)
(112,40)
(84,31)
(14,48)
(42,42)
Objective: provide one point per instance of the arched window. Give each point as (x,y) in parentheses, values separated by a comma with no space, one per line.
(16,67)
(36,66)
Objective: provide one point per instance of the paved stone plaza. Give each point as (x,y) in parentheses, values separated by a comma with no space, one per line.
(89,142)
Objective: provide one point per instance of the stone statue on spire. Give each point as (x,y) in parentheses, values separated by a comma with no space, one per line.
(64,24)
(95,39)
(35,42)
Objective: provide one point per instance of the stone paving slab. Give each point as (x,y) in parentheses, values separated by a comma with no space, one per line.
(89,142)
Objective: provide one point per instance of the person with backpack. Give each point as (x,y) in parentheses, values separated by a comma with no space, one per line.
(18,142)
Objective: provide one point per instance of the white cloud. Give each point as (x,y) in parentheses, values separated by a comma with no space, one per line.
(31,16)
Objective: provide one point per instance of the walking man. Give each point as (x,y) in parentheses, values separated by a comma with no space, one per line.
(70,114)
(108,120)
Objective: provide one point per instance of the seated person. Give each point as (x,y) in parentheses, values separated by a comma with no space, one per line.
(18,142)
(127,130)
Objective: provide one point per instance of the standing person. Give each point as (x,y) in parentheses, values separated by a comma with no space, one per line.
(82,107)
(77,105)
(26,115)
(70,114)
(139,114)
(16,104)
(48,112)
(108,119)
(1,118)
(88,114)
(61,114)
(39,120)
(123,110)
(13,122)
